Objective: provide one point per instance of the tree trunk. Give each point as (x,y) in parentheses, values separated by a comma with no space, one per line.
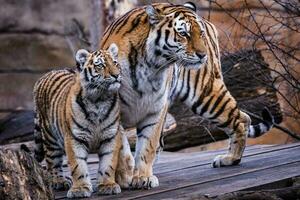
(21,177)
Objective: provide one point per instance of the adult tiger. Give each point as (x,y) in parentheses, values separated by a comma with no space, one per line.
(155,41)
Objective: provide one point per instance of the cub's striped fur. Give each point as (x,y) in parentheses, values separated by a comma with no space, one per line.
(77,111)
(166,52)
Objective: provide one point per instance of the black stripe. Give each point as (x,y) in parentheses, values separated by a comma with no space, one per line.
(139,130)
(144,136)
(196,83)
(133,54)
(236,126)
(59,86)
(257,131)
(183,78)
(85,75)
(80,177)
(79,101)
(84,129)
(112,106)
(206,91)
(80,141)
(107,140)
(230,118)
(203,77)
(206,105)
(82,158)
(134,23)
(157,37)
(188,87)
(73,171)
(121,24)
(53,148)
(111,124)
(104,154)
(217,102)
(166,40)
(123,100)
(55,155)
(220,110)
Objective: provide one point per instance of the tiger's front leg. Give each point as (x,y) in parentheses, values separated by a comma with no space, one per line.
(124,172)
(77,154)
(148,132)
(215,103)
(108,160)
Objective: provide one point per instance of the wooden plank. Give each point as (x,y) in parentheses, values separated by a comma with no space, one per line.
(189,176)
(187,160)
(236,183)
(181,179)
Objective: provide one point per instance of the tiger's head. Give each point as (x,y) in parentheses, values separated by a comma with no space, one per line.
(177,35)
(99,70)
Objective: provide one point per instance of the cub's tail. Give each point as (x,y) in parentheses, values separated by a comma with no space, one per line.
(263,127)
(39,152)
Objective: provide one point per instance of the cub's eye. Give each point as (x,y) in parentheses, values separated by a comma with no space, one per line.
(183,34)
(100,66)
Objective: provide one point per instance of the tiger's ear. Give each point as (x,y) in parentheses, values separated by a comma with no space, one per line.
(113,51)
(81,57)
(191,6)
(153,15)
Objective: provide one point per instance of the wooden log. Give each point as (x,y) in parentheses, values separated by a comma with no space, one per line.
(286,193)
(21,177)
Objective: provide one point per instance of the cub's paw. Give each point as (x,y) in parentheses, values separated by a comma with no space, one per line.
(108,189)
(61,183)
(143,182)
(225,160)
(80,191)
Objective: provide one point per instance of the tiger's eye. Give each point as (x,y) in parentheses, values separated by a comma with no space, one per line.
(183,34)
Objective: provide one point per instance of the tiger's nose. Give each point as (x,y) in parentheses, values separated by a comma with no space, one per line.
(201,55)
(116,76)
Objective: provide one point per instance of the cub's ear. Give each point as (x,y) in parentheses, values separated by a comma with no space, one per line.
(113,51)
(81,57)
(153,15)
(191,6)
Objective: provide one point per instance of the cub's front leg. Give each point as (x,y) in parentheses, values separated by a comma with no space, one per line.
(77,153)
(108,160)
(148,132)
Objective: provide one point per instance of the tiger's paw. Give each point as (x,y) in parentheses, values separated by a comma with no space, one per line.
(225,160)
(80,191)
(108,189)
(143,182)
(61,183)
(124,179)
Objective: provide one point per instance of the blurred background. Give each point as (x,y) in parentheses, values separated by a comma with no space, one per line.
(259,41)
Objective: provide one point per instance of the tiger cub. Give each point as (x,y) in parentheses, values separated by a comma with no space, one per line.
(77,111)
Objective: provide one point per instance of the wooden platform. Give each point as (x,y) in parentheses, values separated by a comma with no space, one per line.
(189,175)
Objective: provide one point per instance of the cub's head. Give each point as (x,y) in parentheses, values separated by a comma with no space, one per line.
(177,33)
(99,70)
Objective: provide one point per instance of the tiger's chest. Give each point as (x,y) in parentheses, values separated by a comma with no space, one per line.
(141,94)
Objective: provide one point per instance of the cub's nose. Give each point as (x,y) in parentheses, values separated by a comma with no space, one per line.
(201,55)
(115,76)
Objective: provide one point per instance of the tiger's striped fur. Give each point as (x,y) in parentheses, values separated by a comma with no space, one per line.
(77,111)
(166,52)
